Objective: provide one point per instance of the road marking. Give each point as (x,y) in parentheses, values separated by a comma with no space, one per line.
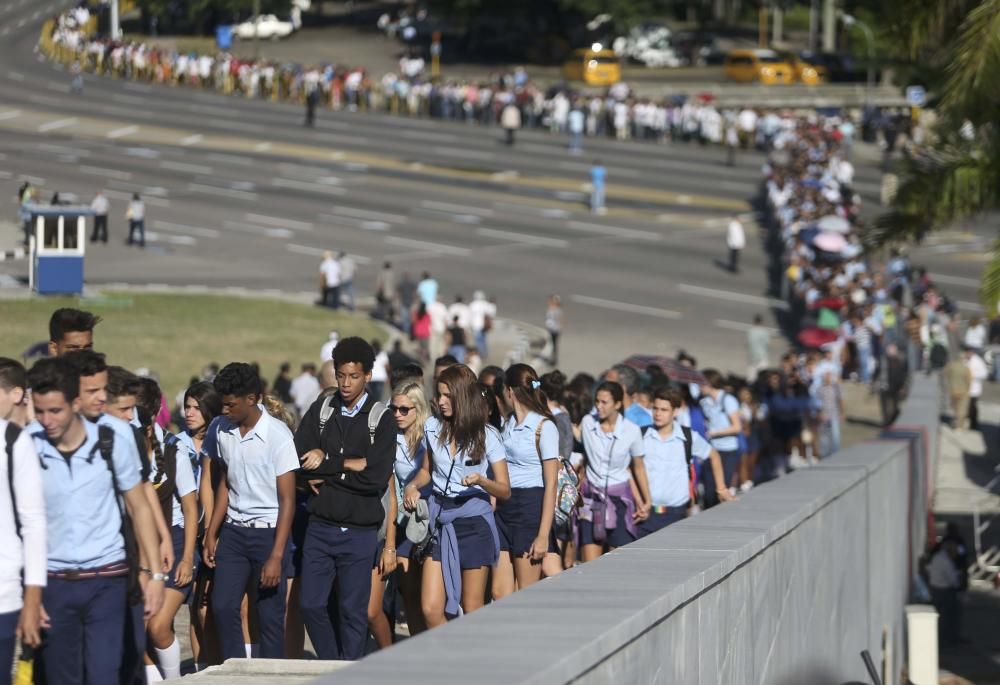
(127,196)
(15,75)
(10,114)
(222,192)
(422,135)
(268,231)
(616,231)
(955,280)
(58,123)
(184,228)
(137,87)
(731,296)
(356,213)
(626,307)
(262,147)
(155,237)
(122,132)
(107,173)
(307,186)
(522,238)
(465,154)
(456,208)
(129,100)
(187,141)
(186,168)
(58,87)
(741,326)
(278,221)
(425,246)
(143,152)
(321,251)
(229,159)
(508,175)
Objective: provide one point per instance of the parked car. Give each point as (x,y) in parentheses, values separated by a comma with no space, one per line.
(808,67)
(264,26)
(593,67)
(758,66)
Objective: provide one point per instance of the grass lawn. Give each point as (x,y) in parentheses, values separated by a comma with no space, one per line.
(177,335)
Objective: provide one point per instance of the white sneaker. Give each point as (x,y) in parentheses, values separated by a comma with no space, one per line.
(746,486)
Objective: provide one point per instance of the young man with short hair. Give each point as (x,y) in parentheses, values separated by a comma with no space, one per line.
(85,467)
(666,447)
(347,459)
(13,392)
(249,533)
(71,329)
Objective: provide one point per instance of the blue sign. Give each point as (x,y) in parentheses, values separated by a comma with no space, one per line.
(224,37)
(916,96)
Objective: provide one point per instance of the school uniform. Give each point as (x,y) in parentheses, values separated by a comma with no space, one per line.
(86,595)
(717,413)
(669,478)
(406,467)
(252,465)
(519,517)
(341,539)
(184,484)
(609,458)
(22,549)
(465,532)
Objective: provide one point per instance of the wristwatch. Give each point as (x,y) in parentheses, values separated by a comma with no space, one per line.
(160,576)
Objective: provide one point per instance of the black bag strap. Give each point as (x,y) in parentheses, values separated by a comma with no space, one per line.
(688,444)
(11,434)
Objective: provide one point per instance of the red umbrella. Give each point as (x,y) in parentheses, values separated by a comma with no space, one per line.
(673,369)
(815,337)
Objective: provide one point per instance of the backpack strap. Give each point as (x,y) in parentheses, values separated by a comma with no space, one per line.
(688,457)
(11,434)
(538,438)
(325,412)
(374,416)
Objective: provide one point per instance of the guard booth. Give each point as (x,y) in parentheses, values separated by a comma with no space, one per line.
(56,245)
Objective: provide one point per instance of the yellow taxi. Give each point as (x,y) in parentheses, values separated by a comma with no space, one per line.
(593,67)
(758,66)
(808,68)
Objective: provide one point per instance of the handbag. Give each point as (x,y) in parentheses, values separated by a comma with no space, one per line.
(599,502)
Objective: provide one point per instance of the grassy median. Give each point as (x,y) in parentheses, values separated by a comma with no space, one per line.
(176,335)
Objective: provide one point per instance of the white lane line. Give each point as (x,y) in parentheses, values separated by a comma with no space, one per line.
(15,76)
(278,221)
(187,141)
(740,326)
(106,173)
(465,154)
(143,152)
(310,173)
(155,237)
(626,307)
(184,228)
(186,168)
(504,175)
(364,224)
(127,196)
(425,246)
(268,231)
(456,208)
(57,124)
(731,296)
(522,238)
(222,192)
(616,231)
(356,213)
(10,114)
(307,186)
(955,280)
(320,251)
(262,147)
(122,132)
(421,135)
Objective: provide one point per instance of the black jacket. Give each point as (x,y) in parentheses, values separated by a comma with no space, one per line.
(347,498)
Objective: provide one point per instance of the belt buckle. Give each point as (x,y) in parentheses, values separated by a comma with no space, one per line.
(72,574)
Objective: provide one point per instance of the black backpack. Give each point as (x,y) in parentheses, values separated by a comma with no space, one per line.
(688,457)
(105,446)
(11,434)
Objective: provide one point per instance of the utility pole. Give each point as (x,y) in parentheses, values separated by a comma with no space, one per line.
(779,23)
(813,25)
(829,25)
(115,27)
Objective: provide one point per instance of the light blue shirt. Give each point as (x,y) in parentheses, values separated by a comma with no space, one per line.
(253,463)
(598,175)
(183,477)
(186,445)
(427,291)
(639,415)
(351,413)
(84,524)
(609,455)
(523,458)
(447,474)
(717,414)
(405,466)
(666,465)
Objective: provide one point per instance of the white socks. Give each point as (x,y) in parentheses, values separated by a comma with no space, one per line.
(252,650)
(153,674)
(170,660)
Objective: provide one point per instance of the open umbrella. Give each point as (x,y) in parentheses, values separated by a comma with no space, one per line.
(830,242)
(815,337)
(673,369)
(834,224)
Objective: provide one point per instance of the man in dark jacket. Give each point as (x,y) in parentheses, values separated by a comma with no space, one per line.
(347,459)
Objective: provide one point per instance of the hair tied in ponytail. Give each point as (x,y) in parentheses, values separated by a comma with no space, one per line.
(535,385)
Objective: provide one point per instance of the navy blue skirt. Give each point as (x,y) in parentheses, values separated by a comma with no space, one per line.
(177,537)
(518,519)
(475,539)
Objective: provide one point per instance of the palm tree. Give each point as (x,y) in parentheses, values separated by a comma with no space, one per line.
(958,176)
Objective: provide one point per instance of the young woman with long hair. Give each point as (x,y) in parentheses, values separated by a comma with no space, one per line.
(531,441)
(615,488)
(461,449)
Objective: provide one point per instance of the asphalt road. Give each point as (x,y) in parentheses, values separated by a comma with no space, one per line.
(240,194)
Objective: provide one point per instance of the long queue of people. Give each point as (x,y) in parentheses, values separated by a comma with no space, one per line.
(263,526)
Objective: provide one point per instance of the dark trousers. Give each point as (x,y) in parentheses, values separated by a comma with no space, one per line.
(240,555)
(660,521)
(331,296)
(137,226)
(730,462)
(133,670)
(734,259)
(8,640)
(84,644)
(554,335)
(100,229)
(948,606)
(889,400)
(509,133)
(974,413)
(347,556)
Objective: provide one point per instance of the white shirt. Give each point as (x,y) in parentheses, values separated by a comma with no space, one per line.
(461,310)
(347,269)
(100,205)
(941,571)
(975,337)
(478,311)
(136,210)
(304,391)
(32,554)
(380,370)
(439,317)
(979,374)
(735,237)
(330,269)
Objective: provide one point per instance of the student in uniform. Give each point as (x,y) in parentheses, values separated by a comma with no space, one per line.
(462,449)
(615,482)
(554,387)
(248,535)
(348,466)
(723,422)
(411,410)
(531,440)
(22,544)
(665,449)
(14,405)
(71,329)
(86,596)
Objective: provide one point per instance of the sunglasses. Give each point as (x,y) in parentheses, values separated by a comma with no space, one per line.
(402,411)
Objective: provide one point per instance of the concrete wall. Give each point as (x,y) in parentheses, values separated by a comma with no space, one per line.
(786,586)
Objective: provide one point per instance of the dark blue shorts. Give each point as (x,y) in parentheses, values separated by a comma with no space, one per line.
(177,535)
(518,519)
(299,524)
(616,537)
(475,540)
